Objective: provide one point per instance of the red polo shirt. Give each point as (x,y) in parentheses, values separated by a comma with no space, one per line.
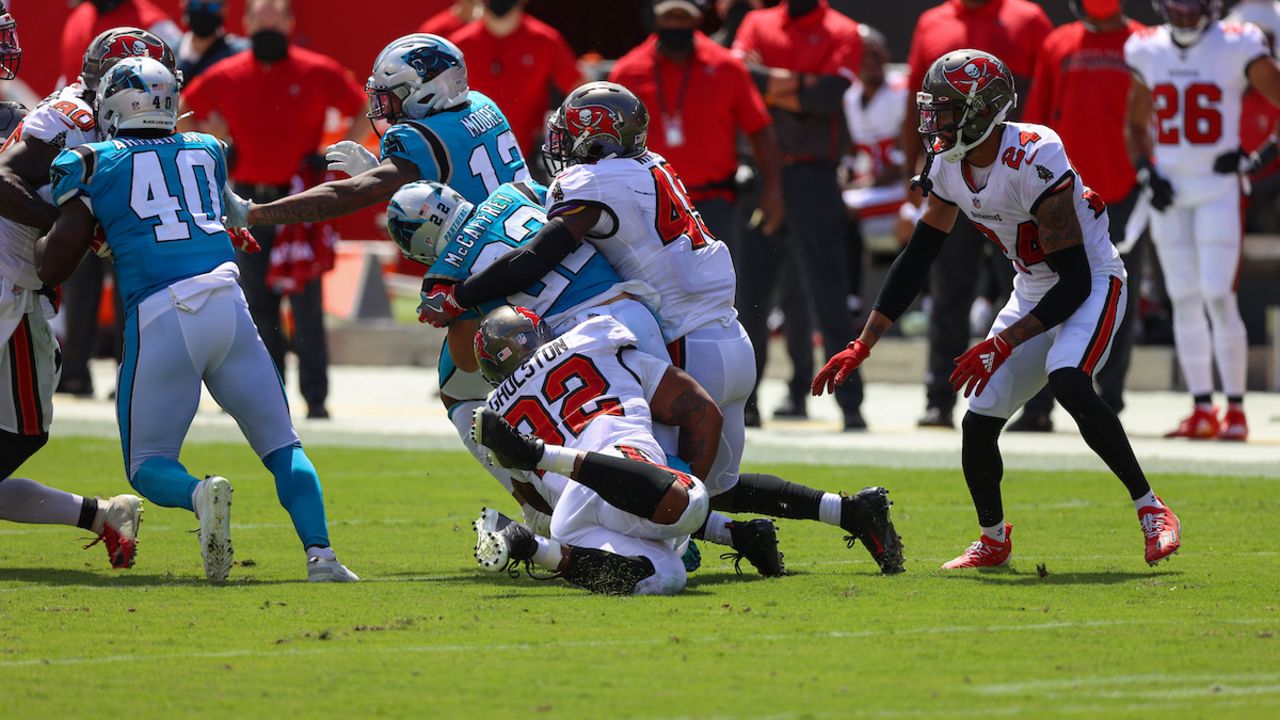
(820,42)
(84,24)
(444,23)
(1012,30)
(719,99)
(517,71)
(1076,73)
(275,113)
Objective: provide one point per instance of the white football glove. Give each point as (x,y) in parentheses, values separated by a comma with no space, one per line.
(350,157)
(235,209)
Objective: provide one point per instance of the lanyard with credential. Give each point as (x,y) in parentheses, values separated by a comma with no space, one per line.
(672,123)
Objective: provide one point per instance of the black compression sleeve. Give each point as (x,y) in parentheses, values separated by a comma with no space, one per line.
(908,273)
(519,268)
(1071,290)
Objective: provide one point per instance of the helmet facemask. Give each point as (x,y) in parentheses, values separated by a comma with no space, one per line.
(1188,19)
(10,49)
(558,145)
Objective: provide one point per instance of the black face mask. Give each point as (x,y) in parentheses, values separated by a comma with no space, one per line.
(501,7)
(796,8)
(676,39)
(270,45)
(106,6)
(204,23)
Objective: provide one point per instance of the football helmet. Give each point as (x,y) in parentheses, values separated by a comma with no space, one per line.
(506,338)
(115,44)
(1187,19)
(965,95)
(422,216)
(10,49)
(424,74)
(137,93)
(597,121)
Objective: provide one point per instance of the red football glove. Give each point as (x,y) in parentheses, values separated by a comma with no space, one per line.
(438,306)
(975,368)
(99,245)
(242,240)
(840,367)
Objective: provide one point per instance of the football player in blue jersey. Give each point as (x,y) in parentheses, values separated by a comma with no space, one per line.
(157,196)
(439,131)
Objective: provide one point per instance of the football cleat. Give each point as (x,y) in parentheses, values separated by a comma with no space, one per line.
(865,516)
(123,515)
(213,508)
(1234,425)
(1162,530)
(501,545)
(986,552)
(1201,424)
(756,541)
(509,447)
(321,570)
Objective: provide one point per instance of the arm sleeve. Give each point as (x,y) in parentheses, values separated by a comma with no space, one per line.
(519,268)
(419,145)
(70,173)
(1072,289)
(909,271)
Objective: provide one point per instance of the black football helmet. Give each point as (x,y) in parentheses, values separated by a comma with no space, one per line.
(597,121)
(506,338)
(965,95)
(116,44)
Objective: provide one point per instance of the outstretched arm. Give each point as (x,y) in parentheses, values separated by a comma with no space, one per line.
(682,403)
(60,252)
(337,198)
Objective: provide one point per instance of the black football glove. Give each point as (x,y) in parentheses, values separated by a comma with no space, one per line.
(1236,161)
(1161,189)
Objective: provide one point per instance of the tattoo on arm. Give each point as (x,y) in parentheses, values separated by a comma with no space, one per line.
(1058,224)
(334,199)
(877,325)
(689,407)
(1022,330)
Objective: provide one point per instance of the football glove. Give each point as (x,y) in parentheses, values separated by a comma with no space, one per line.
(975,368)
(243,241)
(235,209)
(350,157)
(1237,161)
(1161,189)
(99,245)
(840,367)
(438,306)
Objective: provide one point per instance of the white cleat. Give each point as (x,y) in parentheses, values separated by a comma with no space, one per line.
(495,534)
(213,508)
(120,529)
(321,570)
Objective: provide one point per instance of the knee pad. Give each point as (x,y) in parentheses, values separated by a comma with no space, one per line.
(632,486)
(1072,388)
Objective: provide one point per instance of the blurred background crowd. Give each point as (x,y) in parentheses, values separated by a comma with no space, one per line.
(791,124)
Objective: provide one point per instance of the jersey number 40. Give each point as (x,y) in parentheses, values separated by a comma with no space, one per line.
(149,195)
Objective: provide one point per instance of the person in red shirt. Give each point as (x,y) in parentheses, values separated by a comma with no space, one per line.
(92,17)
(516,60)
(1014,31)
(452,19)
(803,56)
(270,102)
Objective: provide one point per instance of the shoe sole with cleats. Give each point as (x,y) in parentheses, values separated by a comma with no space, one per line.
(491,551)
(215,529)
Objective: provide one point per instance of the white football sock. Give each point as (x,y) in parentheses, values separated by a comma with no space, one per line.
(559,459)
(1148,500)
(995,532)
(27,501)
(717,529)
(548,555)
(829,509)
(1191,340)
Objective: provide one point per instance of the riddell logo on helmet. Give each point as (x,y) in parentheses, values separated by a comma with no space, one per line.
(594,120)
(973,76)
(127,46)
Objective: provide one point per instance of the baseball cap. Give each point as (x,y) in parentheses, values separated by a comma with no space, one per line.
(697,8)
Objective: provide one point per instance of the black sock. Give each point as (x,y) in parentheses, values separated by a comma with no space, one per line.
(604,572)
(1100,427)
(983,466)
(771,495)
(629,485)
(1202,399)
(88,511)
(1235,399)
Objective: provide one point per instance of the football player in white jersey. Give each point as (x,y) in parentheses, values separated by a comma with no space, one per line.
(30,365)
(629,203)
(1015,183)
(1183,134)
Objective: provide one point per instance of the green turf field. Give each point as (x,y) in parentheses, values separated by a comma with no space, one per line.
(428,635)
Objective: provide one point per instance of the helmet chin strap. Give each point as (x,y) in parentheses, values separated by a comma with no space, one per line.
(957,152)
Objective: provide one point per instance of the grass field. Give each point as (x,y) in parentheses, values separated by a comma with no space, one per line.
(428,635)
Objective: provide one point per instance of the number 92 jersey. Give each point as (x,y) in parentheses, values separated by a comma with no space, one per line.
(159,202)
(1196,92)
(470,148)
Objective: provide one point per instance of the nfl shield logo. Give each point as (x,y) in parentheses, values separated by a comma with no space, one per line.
(977,203)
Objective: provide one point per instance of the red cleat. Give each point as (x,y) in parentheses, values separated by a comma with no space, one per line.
(120,530)
(1199,425)
(986,552)
(1234,426)
(1162,530)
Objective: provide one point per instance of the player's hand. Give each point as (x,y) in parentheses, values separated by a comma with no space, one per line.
(975,368)
(840,367)
(438,306)
(1161,188)
(1231,163)
(771,210)
(350,157)
(235,209)
(244,241)
(99,245)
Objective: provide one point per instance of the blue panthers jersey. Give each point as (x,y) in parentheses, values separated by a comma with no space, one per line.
(509,218)
(469,148)
(159,202)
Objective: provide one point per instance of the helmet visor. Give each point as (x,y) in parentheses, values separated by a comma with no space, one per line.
(939,125)
(384,103)
(557,145)
(10,50)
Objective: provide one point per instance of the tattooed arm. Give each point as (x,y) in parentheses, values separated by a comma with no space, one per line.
(682,403)
(337,198)
(1063,243)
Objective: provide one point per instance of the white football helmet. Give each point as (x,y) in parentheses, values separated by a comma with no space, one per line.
(424,72)
(137,93)
(423,216)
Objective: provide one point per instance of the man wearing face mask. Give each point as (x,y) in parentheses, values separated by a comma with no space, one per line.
(277,80)
(92,17)
(206,42)
(521,63)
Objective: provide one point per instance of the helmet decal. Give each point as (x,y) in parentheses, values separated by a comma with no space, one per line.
(128,45)
(594,120)
(973,76)
(427,61)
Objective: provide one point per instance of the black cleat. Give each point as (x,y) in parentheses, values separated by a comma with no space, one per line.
(1031,422)
(865,516)
(501,543)
(936,417)
(509,447)
(756,541)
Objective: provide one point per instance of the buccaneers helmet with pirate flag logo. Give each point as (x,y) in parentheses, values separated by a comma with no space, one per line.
(966,94)
(597,121)
(119,43)
(506,338)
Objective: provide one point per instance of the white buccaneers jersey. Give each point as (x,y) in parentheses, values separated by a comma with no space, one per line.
(1031,166)
(63,120)
(876,124)
(1196,92)
(650,232)
(588,389)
